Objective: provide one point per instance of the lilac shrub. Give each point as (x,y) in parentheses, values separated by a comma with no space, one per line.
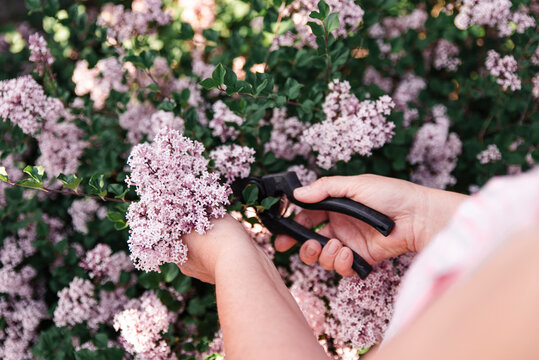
(123,125)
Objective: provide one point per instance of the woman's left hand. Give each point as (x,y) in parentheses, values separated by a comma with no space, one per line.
(204,251)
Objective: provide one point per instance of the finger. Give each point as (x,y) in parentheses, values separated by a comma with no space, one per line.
(310,218)
(327,231)
(336,186)
(343,262)
(329,252)
(284,243)
(310,251)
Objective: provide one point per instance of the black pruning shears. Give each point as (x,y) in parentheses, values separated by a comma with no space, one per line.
(277,185)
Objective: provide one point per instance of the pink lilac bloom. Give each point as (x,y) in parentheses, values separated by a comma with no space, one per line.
(396,26)
(59,142)
(305,176)
(371,76)
(142,324)
(142,119)
(312,307)
(22,317)
(107,75)
(199,14)
(312,278)
(489,155)
(351,127)
(233,161)
(23,102)
(407,93)
(39,54)
(535,83)
(435,152)
(361,310)
(76,303)
(217,346)
(101,263)
(445,56)
(504,69)
(535,57)
(222,118)
(491,13)
(284,139)
(200,67)
(123,24)
(177,195)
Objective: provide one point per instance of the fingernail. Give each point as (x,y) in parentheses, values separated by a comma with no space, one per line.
(310,251)
(333,247)
(344,255)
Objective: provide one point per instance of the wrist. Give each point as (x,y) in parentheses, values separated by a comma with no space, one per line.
(435,210)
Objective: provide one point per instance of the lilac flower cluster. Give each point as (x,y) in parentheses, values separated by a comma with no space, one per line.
(361,309)
(305,176)
(223,117)
(142,324)
(489,155)
(350,16)
(177,195)
(39,54)
(351,127)
(233,161)
(107,75)
(504,69)
(200,14)
(76,303)
(535,83)
(82,211)
(435,151)
(493,13)
(283,140)
(406,93)
(142,119)
(24,103)
(123,24)
(101,263)
(371,76)
(444,55)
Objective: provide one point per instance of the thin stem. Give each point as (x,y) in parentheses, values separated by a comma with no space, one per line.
(71,192)
(289,102)
(277,25)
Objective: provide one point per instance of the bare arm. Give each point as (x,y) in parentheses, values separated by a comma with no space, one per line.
(259,317)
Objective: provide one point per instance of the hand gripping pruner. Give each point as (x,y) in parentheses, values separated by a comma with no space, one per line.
(277,185)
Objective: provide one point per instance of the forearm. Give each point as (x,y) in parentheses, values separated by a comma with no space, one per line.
(434,213)
(258,315)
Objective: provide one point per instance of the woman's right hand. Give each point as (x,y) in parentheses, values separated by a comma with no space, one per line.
(418,212)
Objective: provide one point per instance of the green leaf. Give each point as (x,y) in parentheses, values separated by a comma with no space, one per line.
(51,7)
(316,15)
(169,271)
(30,183)
(250,194)
(261,87)
(101,340)
(182,284)
(332,22)
(3,174)
(209,84)
(268,202)
(70,181)
(317,29)
(35,172)
(97,185)
(230,79)
(292,88)
(149,280)
(218,75)
(115,216)
(166,106)
(323,8)
(33,5)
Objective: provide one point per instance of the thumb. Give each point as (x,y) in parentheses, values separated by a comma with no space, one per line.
(336,186)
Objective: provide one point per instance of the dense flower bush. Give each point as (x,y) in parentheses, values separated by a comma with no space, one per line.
(122,124)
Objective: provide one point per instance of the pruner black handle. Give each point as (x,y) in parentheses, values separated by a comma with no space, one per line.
(289,181)
(302,234)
